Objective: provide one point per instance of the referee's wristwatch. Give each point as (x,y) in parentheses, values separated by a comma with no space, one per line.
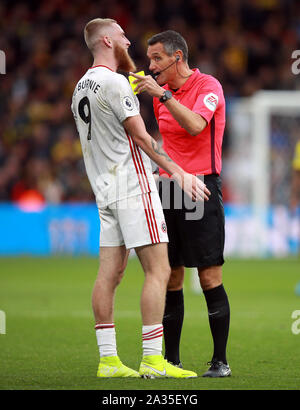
(166,96)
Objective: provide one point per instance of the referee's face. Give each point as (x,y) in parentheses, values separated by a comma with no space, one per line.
(160,62)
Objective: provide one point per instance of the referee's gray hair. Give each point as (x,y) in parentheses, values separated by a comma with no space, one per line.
(172,41)
(93,29)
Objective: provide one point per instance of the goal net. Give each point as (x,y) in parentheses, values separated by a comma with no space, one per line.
(263,131)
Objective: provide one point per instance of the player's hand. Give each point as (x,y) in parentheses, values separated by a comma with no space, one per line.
(193,186)
(148,84)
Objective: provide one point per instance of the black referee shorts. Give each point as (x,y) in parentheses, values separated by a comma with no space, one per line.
(196,235)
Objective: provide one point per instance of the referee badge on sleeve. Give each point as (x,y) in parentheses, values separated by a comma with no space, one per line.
(211,101)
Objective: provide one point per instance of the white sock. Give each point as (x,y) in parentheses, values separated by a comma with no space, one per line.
(152,339)
(106,339)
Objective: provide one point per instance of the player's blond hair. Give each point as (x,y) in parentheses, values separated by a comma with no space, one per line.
(92,31)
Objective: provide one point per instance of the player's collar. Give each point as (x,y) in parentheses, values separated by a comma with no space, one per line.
(100,65)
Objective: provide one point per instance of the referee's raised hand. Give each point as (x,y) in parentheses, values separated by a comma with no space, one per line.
(148,84)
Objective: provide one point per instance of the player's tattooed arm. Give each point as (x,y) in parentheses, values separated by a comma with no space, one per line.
(135,127)
(159,150)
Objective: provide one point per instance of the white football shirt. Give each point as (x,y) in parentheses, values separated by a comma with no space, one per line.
(116,167)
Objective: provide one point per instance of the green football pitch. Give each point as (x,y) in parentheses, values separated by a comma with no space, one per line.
(50,341)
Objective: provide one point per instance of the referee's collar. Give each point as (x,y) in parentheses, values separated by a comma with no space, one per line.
(189,83)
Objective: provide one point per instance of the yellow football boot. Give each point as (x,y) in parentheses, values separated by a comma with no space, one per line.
(156,366)
(111,366)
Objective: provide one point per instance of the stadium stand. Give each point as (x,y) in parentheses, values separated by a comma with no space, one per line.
(247,45)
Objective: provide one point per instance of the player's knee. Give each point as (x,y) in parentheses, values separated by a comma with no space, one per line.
(165,273)
(119,276)
(110,279)
(161,274)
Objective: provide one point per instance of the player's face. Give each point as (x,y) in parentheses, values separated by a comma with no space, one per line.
(121,45)
(159,60)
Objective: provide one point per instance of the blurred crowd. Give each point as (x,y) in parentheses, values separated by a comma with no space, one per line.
(247,45)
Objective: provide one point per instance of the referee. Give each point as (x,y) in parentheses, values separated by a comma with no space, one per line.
(189,107)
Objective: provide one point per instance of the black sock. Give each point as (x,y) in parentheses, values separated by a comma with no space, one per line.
(172,322)
(219,318)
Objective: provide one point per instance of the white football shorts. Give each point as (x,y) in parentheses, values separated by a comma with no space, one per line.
(135,221)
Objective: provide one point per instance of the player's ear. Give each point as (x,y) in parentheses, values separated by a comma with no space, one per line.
(107,41)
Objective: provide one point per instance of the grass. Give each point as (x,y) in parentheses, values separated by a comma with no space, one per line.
(50,342)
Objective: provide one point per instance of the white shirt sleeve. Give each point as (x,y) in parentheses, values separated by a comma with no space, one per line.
(121,99)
